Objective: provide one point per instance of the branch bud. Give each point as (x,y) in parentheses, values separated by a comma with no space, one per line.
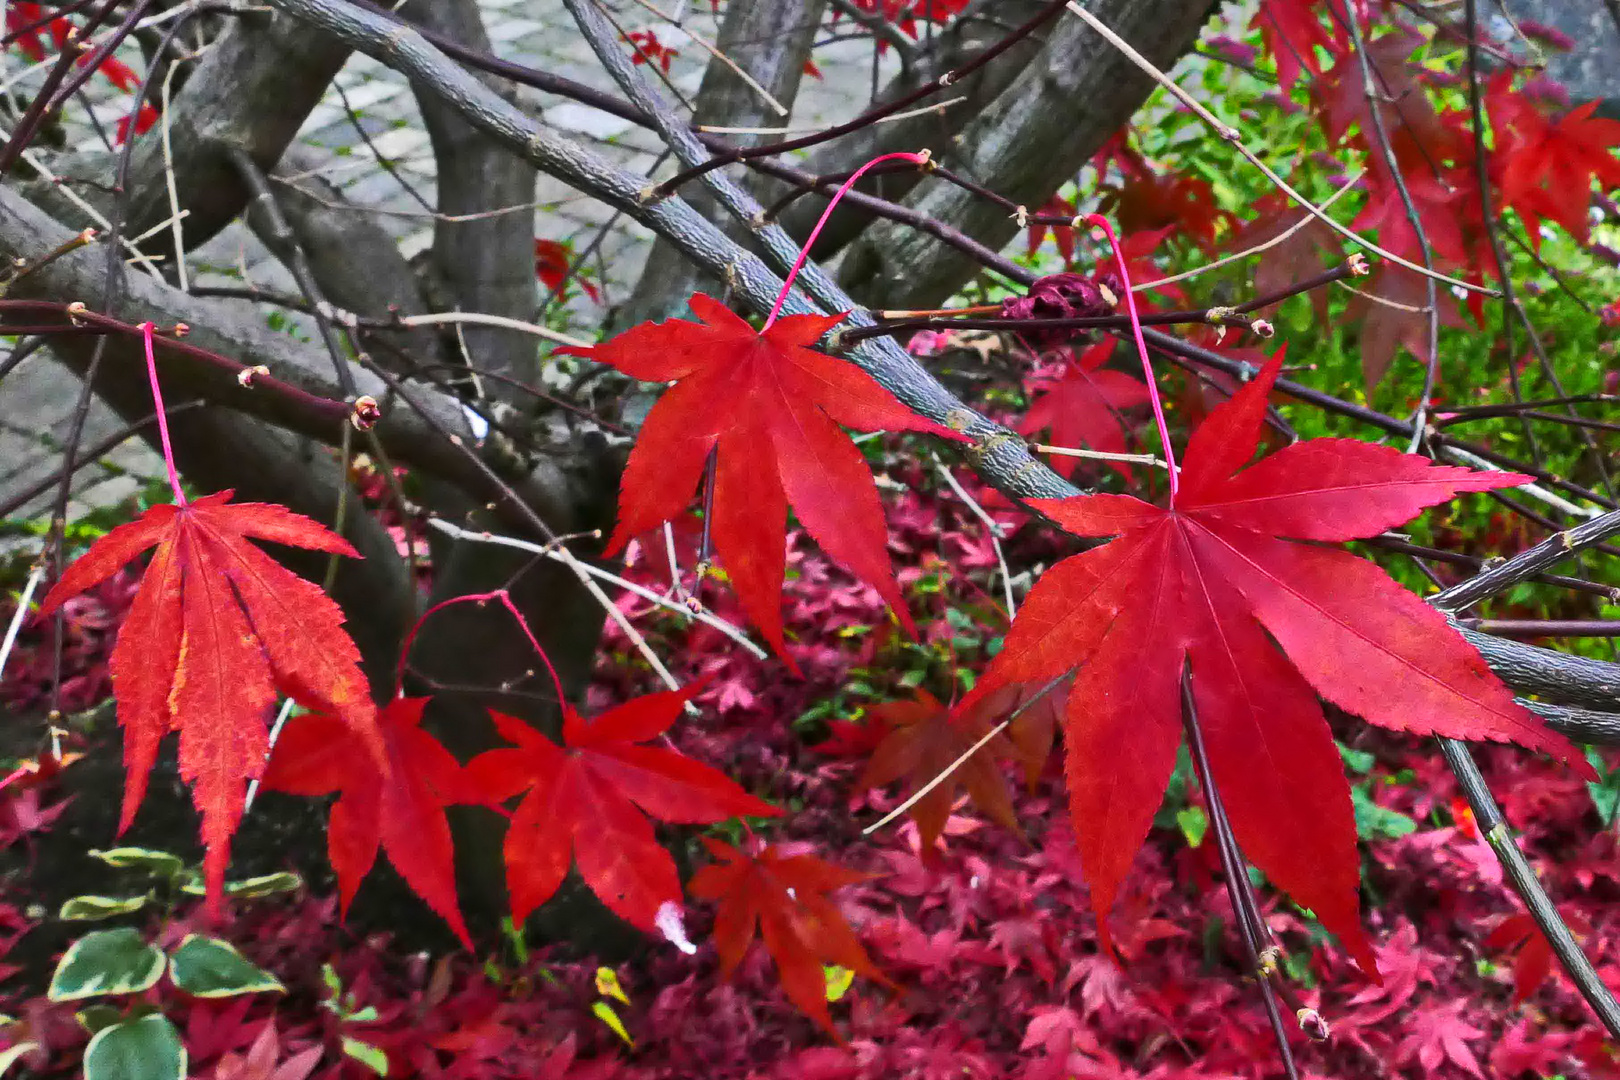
(365,412)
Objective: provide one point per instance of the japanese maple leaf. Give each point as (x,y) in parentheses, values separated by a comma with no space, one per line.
(399,810)
(1291,30)
(1532,961)
(1399,323)
(1548,165)
(1084,407)
(551,261)
(1438,1034)
(589,801)
(924,738)
(1062,235)
(768,407)
(216,629)
(1203,583)
(784,897)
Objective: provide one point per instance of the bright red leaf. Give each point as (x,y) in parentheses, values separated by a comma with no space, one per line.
(400,811)
(1532,960)
(1084,406)
(589,800)
(551,263)
(1203,583)
(217,629)
(1547,166)
(1062,235)
(1291,30)
(769,408)
(785,898)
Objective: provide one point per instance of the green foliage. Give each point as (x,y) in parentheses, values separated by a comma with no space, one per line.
(210,968)
(147,1048)
(105,962)
(90,908)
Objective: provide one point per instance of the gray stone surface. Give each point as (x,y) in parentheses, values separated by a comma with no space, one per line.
(1591,69)
(36,400)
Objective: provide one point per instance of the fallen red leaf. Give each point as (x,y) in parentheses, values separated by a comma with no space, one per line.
(589,799)
(924,738)
(769,408)
(216,630)
(785,898)
(1203,583)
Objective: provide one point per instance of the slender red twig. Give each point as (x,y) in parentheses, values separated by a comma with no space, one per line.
(804,252)
(1141,348)
(146,329)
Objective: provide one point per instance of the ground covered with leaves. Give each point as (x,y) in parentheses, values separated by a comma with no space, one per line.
(987,937)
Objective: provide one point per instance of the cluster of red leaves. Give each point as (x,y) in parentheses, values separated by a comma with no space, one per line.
(988,938)
(650,50)
(905,14)
(26,22)
(1541,161)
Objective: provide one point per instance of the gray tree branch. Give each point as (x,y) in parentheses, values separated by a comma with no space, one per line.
(1034,136)
(770,40)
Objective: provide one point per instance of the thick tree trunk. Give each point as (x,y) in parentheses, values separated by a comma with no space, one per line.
(770,40)
(980,26)
(1033,137)
(487,263)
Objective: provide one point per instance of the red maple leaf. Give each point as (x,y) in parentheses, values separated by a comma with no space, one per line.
(924,738)
(1062,235)
(582,804)
(1084,407)
(400,810)
(1547,166)
(144,119)
(551,262)
(768,408)
(1291,30)
(1532,960)
(785,898)
(216,629)
(1436,1035)
(1392,316)
(1203,583)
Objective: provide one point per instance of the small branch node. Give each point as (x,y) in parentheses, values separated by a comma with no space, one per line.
(1359,265)
(1311,1023)
(247,375)
(1263,327)
(365,412)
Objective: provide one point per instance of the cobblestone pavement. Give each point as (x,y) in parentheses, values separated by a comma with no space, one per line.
(37,400)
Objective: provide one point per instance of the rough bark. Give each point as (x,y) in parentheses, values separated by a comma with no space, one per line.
(486,264)
(1025,144)
(253,89)
(232,331)
(770,40)
(356,263)
(980,26)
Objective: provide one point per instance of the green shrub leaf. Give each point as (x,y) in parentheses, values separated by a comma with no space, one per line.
(86,908)
(157,863)
(106,962)
(145,1049)
(210,968)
